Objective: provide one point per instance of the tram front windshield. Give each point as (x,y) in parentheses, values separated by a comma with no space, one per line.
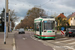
(49,25)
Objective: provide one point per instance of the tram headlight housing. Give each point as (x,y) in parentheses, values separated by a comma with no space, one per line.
(53,31)
(44,31)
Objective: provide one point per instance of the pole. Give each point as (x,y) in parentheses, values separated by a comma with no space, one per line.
(6,18)
(5,25)
(6,21)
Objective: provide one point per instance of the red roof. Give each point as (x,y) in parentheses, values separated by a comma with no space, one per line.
(71,15)
(61,15)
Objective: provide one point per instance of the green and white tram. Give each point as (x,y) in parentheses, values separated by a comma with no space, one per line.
(44,28)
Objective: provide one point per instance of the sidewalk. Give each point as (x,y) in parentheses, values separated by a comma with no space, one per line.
(9,41)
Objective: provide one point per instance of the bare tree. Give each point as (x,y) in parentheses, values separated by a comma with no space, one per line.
(13,16)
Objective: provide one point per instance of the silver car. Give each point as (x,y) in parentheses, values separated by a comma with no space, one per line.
(21,31)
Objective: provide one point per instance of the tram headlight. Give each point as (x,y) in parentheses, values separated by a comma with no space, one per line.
(44,31)
(53,31)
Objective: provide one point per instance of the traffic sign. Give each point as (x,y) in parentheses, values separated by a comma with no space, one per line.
(62,28)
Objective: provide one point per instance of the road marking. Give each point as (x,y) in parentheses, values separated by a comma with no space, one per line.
(14,47)
(65,40)
(39,40)
(70,47)
(33,38)
(50,40)
(54,49)
(24,38)
(66,47)
(72,43)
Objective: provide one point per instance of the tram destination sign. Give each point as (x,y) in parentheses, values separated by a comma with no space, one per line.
(49,21)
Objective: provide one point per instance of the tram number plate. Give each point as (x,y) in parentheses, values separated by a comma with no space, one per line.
(49,31)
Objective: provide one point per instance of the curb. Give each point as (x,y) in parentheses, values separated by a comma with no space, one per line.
(14,46)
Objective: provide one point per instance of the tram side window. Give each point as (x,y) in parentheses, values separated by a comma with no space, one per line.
(34,26)
(37,27)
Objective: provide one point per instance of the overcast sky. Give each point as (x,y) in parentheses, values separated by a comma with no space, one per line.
(50,6)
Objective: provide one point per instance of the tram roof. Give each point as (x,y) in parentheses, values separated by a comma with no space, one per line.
(41,18)
(49,17)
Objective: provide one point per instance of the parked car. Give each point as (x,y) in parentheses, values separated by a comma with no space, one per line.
(21,31)
(70,32)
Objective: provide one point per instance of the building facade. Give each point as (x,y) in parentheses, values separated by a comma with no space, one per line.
(71,19)
(62,17)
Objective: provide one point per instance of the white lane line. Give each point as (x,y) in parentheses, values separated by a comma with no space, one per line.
(14,47)
(72,43)
(70,48)
(54,49)
(24,38)
(65,40)
(50,40)
(39,40)
(34,38)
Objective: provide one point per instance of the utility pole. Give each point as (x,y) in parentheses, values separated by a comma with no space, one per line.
(6,18)
(6,21)
(5,25)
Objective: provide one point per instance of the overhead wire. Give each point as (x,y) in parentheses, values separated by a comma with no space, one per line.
(45,3)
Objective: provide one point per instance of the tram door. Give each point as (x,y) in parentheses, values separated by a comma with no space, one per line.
(40,28)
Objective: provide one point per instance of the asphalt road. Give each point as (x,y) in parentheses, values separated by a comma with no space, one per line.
(25,42)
